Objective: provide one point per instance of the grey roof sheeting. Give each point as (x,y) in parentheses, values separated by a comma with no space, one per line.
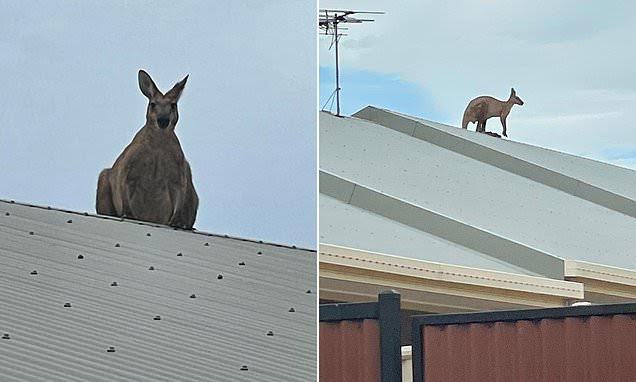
(361,229)
(153,293)
(530,207)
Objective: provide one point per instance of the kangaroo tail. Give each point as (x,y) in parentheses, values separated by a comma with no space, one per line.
(465,120)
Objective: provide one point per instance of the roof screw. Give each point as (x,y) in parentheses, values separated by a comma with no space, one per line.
(293,246)
(80,257)
(69,221)
(151,268)
(111,349)
(292,310)
(67,304)
(85,213)
(206,244)
(157,318)
(48,207)
(270,333)
(117,245)
(34,272)
(148,234)
(219,276)
(12,201)
(244,368)
(242,263)
(260,241)
(259,253)
(308,291)
(7,214)
(193,295)
(6,336)
(179,254)
(114,283)
(31,232)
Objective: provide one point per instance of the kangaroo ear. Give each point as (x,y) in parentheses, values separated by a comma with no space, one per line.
(147,85)
(175,92)
(512,91)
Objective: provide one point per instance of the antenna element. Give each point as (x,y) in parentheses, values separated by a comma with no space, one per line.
(328,20)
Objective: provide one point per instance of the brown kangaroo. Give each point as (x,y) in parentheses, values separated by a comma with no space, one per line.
(484,107)
(151,179)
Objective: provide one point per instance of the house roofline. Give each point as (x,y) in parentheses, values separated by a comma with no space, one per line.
(149,224)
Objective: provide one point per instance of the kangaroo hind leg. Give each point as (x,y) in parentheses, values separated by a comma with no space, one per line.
(104,199)
(186,213)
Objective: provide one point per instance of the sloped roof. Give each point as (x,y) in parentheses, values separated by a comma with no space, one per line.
(185,307)
(359,228)
(532,208)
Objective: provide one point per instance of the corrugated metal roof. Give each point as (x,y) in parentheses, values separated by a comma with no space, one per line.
(175,305)
(461,187)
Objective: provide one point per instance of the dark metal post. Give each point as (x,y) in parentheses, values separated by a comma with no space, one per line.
(390,336)
(417,351)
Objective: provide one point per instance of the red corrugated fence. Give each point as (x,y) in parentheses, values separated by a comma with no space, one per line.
(599,348)
(350,351)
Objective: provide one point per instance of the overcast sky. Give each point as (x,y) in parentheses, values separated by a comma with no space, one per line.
(572,62)
(71,103)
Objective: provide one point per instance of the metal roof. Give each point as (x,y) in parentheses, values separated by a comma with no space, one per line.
(361,229)
(174,305)
(540,211)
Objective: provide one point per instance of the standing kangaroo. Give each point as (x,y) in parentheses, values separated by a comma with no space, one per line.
(151,179)
(484,107)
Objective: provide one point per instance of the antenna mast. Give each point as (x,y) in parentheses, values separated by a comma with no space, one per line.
(328,21)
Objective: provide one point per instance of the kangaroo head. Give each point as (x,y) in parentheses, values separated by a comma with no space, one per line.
(513,97)
(162,113)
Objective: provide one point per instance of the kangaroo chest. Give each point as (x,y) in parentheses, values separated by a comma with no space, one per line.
(157,172)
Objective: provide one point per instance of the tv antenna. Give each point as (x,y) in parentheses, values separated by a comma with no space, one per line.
(328,20)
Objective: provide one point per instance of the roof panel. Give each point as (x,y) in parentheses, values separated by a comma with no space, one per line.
(348,226)
(609,177)
(475,193)
(159,331)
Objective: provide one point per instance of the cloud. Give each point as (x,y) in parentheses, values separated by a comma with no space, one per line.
(620,154)
(568,118)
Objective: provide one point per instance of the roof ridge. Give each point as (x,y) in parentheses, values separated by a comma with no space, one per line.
(567,183)
(155,225)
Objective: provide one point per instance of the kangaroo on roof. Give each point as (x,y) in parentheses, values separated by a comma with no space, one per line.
(484,107)
(151,179)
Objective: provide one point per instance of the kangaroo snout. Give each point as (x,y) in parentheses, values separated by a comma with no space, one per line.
(163,122)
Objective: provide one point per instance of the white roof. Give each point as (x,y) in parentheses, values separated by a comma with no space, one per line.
(479,197)
(361,229)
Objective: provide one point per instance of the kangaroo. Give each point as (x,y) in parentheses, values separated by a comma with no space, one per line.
(151,179)
(484,107)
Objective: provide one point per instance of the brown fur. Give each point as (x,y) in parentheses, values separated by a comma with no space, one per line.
(151,179)
(484,107)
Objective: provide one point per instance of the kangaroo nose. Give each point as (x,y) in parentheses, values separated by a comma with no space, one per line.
(163,122)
